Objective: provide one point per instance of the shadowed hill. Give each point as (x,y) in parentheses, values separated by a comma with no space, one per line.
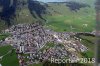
(72,5)
(37,8)
(8,10)
(16,9)
(76,6)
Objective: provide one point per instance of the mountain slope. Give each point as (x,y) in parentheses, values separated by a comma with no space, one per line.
(19,11)
(54,13)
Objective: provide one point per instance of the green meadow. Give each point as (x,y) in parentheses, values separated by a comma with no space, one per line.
(63,19)
(9,59)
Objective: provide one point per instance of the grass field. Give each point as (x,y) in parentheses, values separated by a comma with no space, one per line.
(9,59)
(90,43)
(3,36)
(63,19)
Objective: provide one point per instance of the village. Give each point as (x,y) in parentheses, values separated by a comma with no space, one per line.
(31,38)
